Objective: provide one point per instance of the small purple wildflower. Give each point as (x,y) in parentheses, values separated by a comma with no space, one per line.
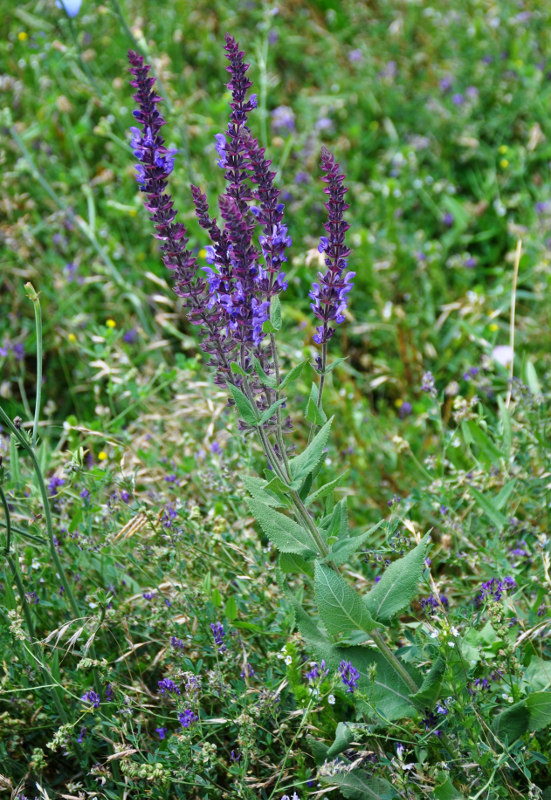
(349,675)
(431,604)
(162,732)
(405,409)
(494,588)
(85,494)
(109,693)
(283,119)
(218,632)
(187,718)
(54,484)
(428,384)
(81,735)
(318,671)
(448,219)
(167,686)
(176,644)
(148,595)
(91,697)
(130,336)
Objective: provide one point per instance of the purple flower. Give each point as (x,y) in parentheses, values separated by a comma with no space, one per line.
(494,588)
(330,295)
(176,643)
(458,99)
(91,697)
(85,494)
(405,409)
(283,119)
(81,735)
(109,693)
(162,732)
(428,385)
(54,484)
(167,686)
(448,219)
(130,336)
(187,718)
(317,671)
(218,632)
(355,56)
(349,675)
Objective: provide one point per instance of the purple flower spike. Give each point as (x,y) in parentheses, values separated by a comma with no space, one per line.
(350,676)
(330,295)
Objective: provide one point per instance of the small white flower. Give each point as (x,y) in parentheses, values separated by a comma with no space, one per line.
(288,660)
(434,634)
(503,354)
(451,644)
(331,699)
(454,631)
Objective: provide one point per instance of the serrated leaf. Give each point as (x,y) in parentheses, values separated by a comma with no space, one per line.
(398,585)
(258,489)
(305,463)
(244,405)
(342,550)
(324,490)
(340,607)
(489,509)
(292,563)
(293,374)
(269,413)
(358,785)
(285,533)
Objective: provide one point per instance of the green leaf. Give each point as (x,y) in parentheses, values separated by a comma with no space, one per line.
(358,785)
(275,313)
(269,413)
(539,706)
(474,433)
(291,563)
(285,533)
(324,490)
(258,488)
(489,509)
(230,609)
(504,494)
(513,722)
(537,674)
(293,374)
(237,369)
(244,406)
(342,550)
(344,736)
(315,415)
(302,465)
(446,790)
(267,380)
(398,585)
(330,367)
(506,428)
(340,607)
(532,379)
(429,690)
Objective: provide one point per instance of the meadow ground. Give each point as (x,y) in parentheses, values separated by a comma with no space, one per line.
(153,642)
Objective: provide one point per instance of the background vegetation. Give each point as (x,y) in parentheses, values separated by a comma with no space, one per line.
(439,115)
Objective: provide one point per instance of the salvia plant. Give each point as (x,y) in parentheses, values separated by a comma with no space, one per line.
(234,300)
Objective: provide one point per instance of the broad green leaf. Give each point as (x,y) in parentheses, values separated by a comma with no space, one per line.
(316,641)
(244,406)
(340,607)
(292,563)
(285,533)
(342,550)
(358,785)
(337,362)
(537,674)
(344,736)
(539,706)
(269,413)
(445,790)
(430,688)
(398,585)
(293,374)
(305,463)
(489,509)
(513,722)
(275,313)
(318,750)
(315,415)
(258,488)
(324,490)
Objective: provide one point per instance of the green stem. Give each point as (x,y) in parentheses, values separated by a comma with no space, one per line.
(32,295)
(8,519)
(394,661)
